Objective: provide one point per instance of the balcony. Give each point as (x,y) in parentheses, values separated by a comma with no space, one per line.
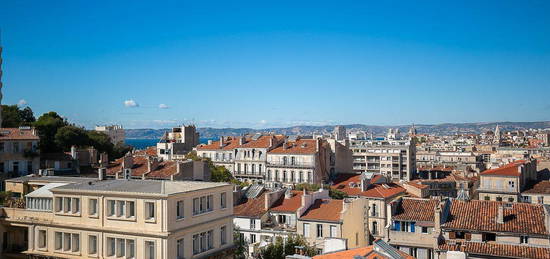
(290,165)
(17,215)
(248,174)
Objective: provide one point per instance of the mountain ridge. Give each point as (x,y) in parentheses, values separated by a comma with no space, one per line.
(437,129)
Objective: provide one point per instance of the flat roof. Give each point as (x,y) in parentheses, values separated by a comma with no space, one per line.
(50,179)
(160,187)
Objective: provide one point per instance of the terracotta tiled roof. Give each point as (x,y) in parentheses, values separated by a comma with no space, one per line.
(499,250)
(230,143)
(510,169)
(388,190)
(412,209)
(263,141)
(417,184)
(324,210)
(288,205)
(253,208)
(301,146)
(164,169)
(17,133)
(367,252)
(481,216)
(542,187)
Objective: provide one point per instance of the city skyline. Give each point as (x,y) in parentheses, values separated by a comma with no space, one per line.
(261,66)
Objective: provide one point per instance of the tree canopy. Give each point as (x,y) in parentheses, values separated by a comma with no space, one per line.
(13,116)
(281,248)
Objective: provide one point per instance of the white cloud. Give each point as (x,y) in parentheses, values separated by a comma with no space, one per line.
(263,122)
(22,102)
(131,103)
(163,106)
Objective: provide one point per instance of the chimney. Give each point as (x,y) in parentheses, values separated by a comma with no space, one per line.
(317,145)
(271,141)
(209,142)
(285,145)
(241,141)
(500,214)
(103,160)
(127,162)
(102,173)
(221,141)
(152,163)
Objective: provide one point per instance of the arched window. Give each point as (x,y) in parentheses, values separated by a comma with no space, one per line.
(276,175)
(284,177)
(292,160)
(374,228)
(373,210)
(292,178)
(284,160)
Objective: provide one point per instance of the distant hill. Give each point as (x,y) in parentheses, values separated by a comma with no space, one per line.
(437,129)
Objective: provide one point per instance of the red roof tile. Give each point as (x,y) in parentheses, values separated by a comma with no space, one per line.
(367,252)
(412,209)
(288,205)
(510,169)
(388,190)
(542,187)
(499,250)
(17,133)
(251,207)
(324,210)
(481,216)
(301,146)
(230,143)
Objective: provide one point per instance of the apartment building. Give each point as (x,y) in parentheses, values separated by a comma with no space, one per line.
(174,145)
(298,161)
(538,192)
(450,159)
(377,193)
(507,182)
(115,132)
(391,157)
(274,160)
(19,153)
(121,219)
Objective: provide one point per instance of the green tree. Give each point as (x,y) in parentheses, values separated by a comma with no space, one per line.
(241,246)
(281,248)
(119,150)
(27,116)
(13,116)
(68,136)
(100,141)
(333,193)
(47,126)
(221,174)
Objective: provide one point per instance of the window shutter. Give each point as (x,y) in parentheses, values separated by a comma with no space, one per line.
(412,226)
(468,236)
(452,235)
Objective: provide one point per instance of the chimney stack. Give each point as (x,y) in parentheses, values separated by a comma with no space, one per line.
(73,152)
(241,141)
(102,173)
(221,141)
(500,214)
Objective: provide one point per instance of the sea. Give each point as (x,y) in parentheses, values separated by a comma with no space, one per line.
(144,143)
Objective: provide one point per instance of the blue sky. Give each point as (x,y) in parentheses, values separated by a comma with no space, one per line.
(259,64)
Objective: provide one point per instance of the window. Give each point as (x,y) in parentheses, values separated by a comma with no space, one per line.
(333,231)
(75,242)
(374,212)
(92,245)
(413,251)
(487,198)
(196,244)
(486,237)
(2,147)
(252,238)
(42,238)
(111,246)
(203,242)
(179,210)
(424,230)
(111,208)
(121,208)
(223,235)
(499,198)
(150,249)
(58,240)
(66,204)
(92,210)
(180,247)
(309,177)
(524,240)
(131,209)
(374,228)
(223,202)
(67,242)
(120,247)
(29,166)
(130,248)
(202,204)
(306,230)
(510,199)
(149,210)
(252,223)
(319,230)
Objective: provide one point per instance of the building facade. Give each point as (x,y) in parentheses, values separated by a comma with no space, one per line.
(392,157)
(115,132)
(123,219)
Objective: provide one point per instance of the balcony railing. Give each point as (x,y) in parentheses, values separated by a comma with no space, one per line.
(293,165)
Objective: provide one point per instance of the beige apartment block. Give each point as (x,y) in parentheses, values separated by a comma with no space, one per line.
(507,182)
(19,153)
(122,219)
